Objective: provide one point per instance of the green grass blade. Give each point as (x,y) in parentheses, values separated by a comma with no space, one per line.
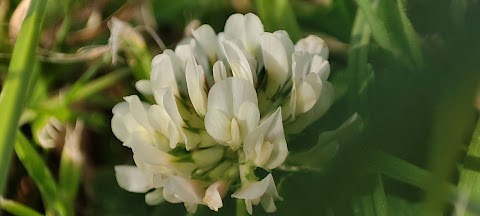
(36,169)
(405,172)
(400,29)
(374,203)
(13,94)
(379,30)
(358,69)
(278,15)
(469,175)
(16,208)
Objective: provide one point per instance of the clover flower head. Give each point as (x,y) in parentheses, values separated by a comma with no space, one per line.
(221,106)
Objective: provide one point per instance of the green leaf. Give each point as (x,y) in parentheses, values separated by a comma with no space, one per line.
(12,97)
(278,15)
(36,169)
(16,208)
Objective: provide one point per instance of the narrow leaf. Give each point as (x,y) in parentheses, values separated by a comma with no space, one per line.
(36,169)
(373,201)
(12,97)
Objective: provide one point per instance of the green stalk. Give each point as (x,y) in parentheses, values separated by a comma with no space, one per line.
(241,209)
(14,92)
(16,208)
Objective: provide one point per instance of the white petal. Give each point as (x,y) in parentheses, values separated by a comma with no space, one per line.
(277,62)
(145,151)
(138,110)
(231,98)
(144,87)
(286,41)
(217,125)
(248,206)
(191,207)
(119,128)
(247,28)
(192,48)
(155,197)
(170,197)
(307,93)
(270,131)
(159,119)
(238,62)
(167,73)
(184,51)
(236,139)
(185,190)
(120,108)
(320,67)
(230,94)
(219,71)
(251,191)
(318,110)
(213,196)
(207,39)
(133,179)
(248,117)
(301,62)
(170,104)
(254,28)
(196,86)
(314,45)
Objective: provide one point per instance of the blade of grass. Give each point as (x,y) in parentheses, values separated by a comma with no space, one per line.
(469,181)
(36,169)
(379,32)
(277,15)
(400,29)
(375,202)
(13,94)
(17,209)
(452,119)
(358,68)
(405,172)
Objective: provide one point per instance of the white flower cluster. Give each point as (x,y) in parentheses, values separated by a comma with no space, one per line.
(220,106)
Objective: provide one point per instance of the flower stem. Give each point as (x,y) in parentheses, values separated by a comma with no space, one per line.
(241,209)
(14,91)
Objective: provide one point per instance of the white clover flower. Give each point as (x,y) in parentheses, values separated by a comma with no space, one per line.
(222,104)
(266,146)
(232,111)
(256,192)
